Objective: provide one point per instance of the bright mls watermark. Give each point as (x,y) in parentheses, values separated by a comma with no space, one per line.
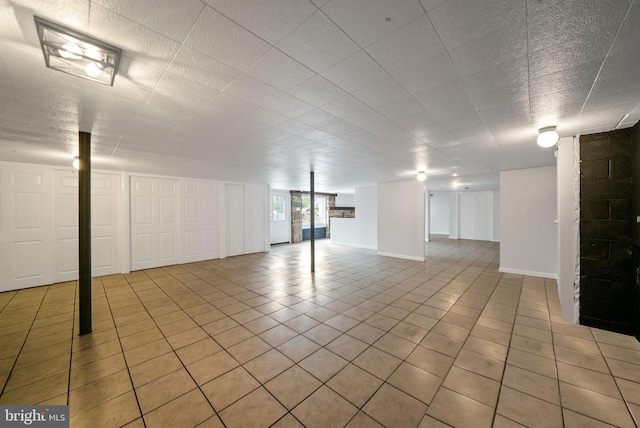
(34,416)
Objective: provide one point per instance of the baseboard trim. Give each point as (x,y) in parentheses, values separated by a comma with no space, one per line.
(366,247)
(402,256)
(529,273)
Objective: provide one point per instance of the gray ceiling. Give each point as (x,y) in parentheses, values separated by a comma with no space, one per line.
(361,91)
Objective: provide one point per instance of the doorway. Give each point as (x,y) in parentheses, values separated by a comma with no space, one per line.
(280,216)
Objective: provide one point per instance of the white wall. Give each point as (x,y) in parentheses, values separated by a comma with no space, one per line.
(528,244)
(568,170)
(401,219)
(346,200)
(496,216)
(439,213)
(361,231)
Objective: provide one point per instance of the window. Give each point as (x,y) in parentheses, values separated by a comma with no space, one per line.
(320,211)
(278,207)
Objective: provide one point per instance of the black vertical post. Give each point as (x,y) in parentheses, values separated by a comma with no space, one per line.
(313,225)
(84,231)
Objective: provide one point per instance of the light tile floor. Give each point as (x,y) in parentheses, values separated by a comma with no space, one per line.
(370,341)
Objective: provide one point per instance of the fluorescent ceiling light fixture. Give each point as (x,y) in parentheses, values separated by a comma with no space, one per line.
(422,176)
(75,53)
(548,136)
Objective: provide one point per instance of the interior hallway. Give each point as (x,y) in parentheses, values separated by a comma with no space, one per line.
(254,341)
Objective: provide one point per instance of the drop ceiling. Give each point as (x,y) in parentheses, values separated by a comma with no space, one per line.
(360,91)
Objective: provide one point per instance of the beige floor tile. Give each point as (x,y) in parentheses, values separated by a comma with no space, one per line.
(322,334)
(324,408)
(301,324)
(211,367)
(151,370)
(95,353)
(624,370)
(90,340)
(347,347)
(362,420)
(197,351)
(595,405)
(429,422)
(366,333)
(431,361)
(36,372)
(393,408)
(416,382)
(532,362)
(528,382)
(119,411)
(287,421)
(258,409)
(621,353)
(576,420)
(185,411)
(278,335)
(248,349)
(164,389)
(298,348)
(382,322)
(323,364)
(576,343)
(588,379)
(37,392)
(460,411)
(260,325)
(229,387)
(635,412)
(630,390)
(292,386)
(355,384)
(442,344)
(147,352)
(394,345)
(219,326)
(528,410)
(213,422)
(581,359)
(491,335)
(342,322)
(268,365)
(94,371)
(377,362)
(486,348)
(616,339)
(501,422)
(98,392)
(451,330)
(182,339)
(472,385)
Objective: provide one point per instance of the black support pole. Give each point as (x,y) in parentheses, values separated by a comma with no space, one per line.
(84,231)
(313,225)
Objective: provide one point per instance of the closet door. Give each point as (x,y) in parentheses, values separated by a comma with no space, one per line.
(26,227)
(154,222)
(235,219)
(200,227)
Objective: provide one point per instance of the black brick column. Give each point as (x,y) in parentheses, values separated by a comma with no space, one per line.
(607,272)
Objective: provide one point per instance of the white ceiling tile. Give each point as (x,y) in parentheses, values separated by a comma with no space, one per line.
(289,106)
(514,73)
(382,92)
(339,128)
(231,107)
(430,4)
(271,20)
(460,21)
(355,72)
(503,45)
(514,94)
(136,40)
(161,16)
(318,43)
(251,90)
(280,71)
(400,108)
(453,91)
(411,44)
(346,107)
(427,74)
(294,127)
(72,14)
(223,40)
(268,117)
(202,69)
(366,21)
(178,87)
(317,118)
(317,91)
(138,73)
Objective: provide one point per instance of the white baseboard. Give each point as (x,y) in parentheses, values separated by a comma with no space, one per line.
(529,273)
(402,256)
(366,247)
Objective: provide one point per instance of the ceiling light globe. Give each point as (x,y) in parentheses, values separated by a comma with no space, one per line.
(422,176)
(93,69)
(548,137)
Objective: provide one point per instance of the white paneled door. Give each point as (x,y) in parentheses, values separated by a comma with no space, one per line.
(235,219)
(475,216)
(105,224)
(280,216)
(154,222)
(199,205)
(26,238)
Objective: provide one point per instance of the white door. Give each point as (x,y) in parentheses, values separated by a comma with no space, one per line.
(154,222)
(280,216)
(26,227)
(475,214)
(234,219)
(199,202)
